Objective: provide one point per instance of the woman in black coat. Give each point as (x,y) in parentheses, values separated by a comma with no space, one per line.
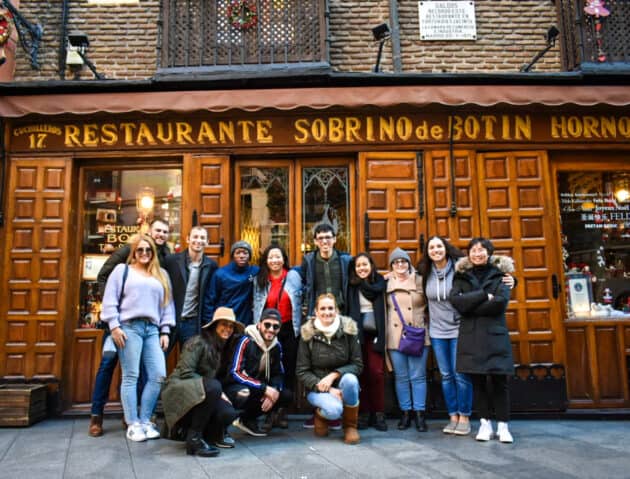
(484,350)
(366,305)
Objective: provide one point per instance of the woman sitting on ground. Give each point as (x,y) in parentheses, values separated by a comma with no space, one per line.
(328,364)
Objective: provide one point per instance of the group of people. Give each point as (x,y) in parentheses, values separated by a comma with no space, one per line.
(247,333)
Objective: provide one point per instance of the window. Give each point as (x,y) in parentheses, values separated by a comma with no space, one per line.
(199,33)
(116,205)
(595,216)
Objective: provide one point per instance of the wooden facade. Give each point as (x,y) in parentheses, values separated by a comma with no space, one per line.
(493,175)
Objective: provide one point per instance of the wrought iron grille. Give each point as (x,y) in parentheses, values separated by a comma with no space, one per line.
(199,33)
(591,42)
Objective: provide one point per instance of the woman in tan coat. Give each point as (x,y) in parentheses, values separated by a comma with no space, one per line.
(405,297)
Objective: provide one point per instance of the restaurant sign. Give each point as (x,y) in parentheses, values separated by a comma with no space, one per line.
(342,130)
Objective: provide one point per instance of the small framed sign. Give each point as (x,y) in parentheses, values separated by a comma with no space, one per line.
(447,20)
(92,264)
(580,293)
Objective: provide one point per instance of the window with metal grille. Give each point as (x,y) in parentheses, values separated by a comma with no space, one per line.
(595,35)
(226,33)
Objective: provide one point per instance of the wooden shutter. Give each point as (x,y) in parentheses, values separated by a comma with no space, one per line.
(516,213)
(388,193)
(207,191)
(34,269)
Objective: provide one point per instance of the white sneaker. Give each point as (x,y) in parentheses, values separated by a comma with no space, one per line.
(135,432)
(150,430)
(504,433)
(485,430)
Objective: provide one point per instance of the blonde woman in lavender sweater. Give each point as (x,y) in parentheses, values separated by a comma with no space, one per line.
(138,307)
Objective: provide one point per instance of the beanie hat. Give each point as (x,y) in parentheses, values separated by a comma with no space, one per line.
(271,313)
(399,253)
(241,244)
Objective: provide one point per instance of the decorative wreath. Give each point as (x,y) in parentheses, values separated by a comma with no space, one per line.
(5,28)
(242,14)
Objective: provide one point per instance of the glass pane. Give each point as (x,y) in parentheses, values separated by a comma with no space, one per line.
(595,215)
(325,199)
(116,205)
(264,208)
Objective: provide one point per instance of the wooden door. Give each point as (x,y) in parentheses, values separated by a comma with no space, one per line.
(516,212)
(391,213)
(206,196)
(34,267)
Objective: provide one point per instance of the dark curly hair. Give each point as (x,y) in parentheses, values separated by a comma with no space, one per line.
(424,265)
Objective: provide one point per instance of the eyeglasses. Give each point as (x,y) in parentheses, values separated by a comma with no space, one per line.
(324,238)
(144,250)
(400,261)
(268,325)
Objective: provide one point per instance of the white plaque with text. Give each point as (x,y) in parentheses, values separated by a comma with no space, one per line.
(447,20)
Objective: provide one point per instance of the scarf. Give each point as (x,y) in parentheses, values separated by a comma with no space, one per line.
(371,291)
(327,331)
(265,362)
(441,275)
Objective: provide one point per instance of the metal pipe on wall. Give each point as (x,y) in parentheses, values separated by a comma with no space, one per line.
(395,39)
(62,40)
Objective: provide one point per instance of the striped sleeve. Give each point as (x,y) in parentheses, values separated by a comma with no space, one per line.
(236,370)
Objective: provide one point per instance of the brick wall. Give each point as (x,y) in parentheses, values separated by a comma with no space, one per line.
(123,39)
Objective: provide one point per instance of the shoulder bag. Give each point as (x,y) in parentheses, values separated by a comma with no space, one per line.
(411,338)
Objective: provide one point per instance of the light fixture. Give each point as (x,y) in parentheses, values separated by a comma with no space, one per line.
(381,34)
(76,53)
(550,38)
(145,200)
(621,188)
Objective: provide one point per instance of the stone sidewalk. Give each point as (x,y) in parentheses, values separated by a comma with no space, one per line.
(543,449)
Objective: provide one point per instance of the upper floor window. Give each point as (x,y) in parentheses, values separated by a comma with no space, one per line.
(241,33)
(595,34)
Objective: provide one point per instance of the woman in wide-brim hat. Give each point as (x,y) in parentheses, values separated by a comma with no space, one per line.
(195,407)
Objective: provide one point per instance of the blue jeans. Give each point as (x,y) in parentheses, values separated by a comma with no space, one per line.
(411,379)
(142,346)
(456,387)
(331,407)
(102,381)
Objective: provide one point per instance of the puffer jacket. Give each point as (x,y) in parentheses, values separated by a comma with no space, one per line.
(484,344)
(317,357)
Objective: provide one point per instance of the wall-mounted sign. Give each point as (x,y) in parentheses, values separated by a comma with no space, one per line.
(447,20)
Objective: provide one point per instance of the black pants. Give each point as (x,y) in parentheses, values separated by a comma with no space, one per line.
(289,343)
(213,415)
(250,400)
(492,393)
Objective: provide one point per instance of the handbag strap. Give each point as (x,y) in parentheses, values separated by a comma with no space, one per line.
(398,309)
(280,292)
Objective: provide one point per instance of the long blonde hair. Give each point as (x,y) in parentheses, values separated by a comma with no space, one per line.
(154,265)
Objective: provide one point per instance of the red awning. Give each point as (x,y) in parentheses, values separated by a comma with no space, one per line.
(315,98)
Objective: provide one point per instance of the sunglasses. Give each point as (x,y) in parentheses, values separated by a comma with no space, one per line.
(144,250)
(324,238)
(274,326)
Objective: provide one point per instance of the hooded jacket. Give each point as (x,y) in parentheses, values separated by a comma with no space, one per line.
(317,356)
(256,365)
(484,344)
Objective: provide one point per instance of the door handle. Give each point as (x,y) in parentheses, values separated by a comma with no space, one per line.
(221,247)
(195,218)
(366,234)
(555,286)
(421,242)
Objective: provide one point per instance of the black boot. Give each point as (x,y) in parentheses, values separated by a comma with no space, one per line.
(379,422)
(421,423)
(405,421)
(364,421)
(196,446)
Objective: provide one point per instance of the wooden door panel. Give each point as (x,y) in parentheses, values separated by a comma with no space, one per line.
(388,186)
(462,227)
(579,378)
(515,213)
(207,191)
(35,261)
(608,361)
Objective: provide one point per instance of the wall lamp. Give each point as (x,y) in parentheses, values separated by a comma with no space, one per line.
(550,38)
(381,35)
(76,55)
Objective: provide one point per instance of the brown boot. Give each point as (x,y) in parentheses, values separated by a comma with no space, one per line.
(281,420)
(321,424)
(96,426)
(350,420)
